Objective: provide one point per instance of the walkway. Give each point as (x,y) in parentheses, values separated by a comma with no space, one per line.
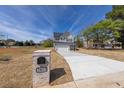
(85,66)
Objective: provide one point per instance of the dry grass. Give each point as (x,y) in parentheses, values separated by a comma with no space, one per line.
(112,54)
(60,70)
(17,72)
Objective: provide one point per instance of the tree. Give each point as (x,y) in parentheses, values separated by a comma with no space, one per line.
(78,42)
(116,14)
(27,43)
(48,43)
(32,43)
(102,32)
(111,28)
(87,34)
(116,26)
(2,44)
(98,33)
(19,43)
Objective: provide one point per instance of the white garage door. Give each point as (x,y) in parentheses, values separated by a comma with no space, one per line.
(62,47)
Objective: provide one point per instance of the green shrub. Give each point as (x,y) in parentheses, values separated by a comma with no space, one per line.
(48,43)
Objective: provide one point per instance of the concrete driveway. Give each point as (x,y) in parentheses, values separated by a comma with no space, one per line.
(85,66)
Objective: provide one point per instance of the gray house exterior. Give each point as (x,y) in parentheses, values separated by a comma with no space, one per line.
(63,41)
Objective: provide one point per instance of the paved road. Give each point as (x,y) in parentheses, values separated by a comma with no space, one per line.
(85,66)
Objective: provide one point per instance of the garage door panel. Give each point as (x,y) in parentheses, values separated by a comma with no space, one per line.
(62,47)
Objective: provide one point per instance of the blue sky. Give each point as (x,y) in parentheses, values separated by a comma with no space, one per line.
(39,22)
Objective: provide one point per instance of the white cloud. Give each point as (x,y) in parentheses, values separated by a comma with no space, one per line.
(47,17)
(19,34)
(76,22)
(18,31)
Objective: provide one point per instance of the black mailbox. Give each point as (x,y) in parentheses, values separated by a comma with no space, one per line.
(41,60)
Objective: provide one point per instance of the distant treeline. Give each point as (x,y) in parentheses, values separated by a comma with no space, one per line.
(12,42)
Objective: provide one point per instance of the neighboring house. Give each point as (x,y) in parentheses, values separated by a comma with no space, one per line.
(10,42)
(109,44)
(63,41)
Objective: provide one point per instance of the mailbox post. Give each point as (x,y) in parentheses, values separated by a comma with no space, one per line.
(41,68)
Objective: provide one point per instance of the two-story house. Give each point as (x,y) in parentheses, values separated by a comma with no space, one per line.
(63,41)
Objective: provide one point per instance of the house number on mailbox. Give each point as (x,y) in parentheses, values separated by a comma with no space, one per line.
(41,69)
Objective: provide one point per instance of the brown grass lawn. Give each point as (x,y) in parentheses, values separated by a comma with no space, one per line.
(16,71)
(112,54)
(60,70)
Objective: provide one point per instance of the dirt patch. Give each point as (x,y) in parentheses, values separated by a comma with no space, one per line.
(5,59)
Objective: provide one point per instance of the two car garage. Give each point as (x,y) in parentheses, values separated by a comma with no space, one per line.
(62,46)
